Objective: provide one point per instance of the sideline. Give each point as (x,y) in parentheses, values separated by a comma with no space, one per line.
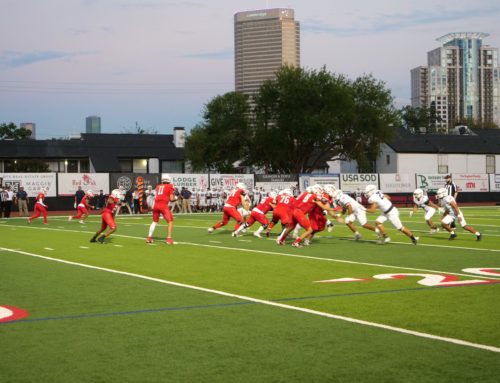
(268,303)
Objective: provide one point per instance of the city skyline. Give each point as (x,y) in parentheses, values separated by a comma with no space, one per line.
(158,62)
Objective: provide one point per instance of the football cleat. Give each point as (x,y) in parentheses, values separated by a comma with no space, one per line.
(93,239)
(478,237)
(70,218)
(101,239)
(210,230)
(255,234)
(306,242)
(414,240)
(149,240)
(329,226)
(435,230)
(280,242)
(235,234)
(452,236)
(297,244)
(387,239)
(170,241)
(81,221)
(29,220)
(357,236)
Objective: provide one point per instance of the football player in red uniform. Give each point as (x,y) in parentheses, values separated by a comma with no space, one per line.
(108,216)
(164,193)
(258,214)
(83,207)
(283,212)
(40,207)
(235,199)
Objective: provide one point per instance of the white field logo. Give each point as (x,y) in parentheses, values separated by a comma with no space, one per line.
(10,313)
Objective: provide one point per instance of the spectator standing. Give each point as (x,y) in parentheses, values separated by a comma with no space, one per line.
(2,205)
(137,203)
(186,200)
(79,194)
(22,202)
(101,200)
(8,200)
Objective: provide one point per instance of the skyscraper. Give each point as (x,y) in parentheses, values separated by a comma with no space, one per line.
(93,124)
(461,80)
(264,41)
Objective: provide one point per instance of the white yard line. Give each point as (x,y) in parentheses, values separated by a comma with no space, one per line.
(269,303)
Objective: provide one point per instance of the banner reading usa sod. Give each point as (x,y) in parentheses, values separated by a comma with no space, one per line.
(352,182)
(68,182)
(31,182)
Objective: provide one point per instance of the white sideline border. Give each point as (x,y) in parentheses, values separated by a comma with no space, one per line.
(266,302)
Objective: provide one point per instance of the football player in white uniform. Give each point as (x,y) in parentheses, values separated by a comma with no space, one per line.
(379,200)
(421,200)
(150,197)
(354,210)
(452,213)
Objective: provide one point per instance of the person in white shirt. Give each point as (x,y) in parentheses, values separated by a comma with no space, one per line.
(421,200)
(452,213)
(354,210)
(379,200)
(150,197)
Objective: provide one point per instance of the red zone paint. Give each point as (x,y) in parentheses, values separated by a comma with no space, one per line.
(11,313)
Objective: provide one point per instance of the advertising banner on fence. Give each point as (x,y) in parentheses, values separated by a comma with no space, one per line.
(67,183)
(306,180)
(191,182)
(353,181)
(430,182)
(494,182)
(130,181)
(229,181)
(32,182)
(268,182)
(471,182)
(397,183)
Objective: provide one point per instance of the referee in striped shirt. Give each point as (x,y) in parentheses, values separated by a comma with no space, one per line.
(451,187)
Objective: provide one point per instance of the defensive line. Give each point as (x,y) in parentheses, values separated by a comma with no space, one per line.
(268,303)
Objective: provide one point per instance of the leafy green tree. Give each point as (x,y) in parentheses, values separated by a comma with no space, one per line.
(222,139)
(304,118)
(414,118)
(11,131)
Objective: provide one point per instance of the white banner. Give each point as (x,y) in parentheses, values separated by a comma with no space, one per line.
(471,182)
(229,181)
(32,182)
(494,182)
(397,183)
(353,181)
(306,180)
(68,182)
(430,182)
(191,182)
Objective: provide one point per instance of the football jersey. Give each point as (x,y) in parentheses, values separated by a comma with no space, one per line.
(234,199)
(163,193)
(111,206)
(40,198)
(446,204)
(306,202)
(285,200)
(422,203)
(381,201)
(346,200)
(83,202)
(265,206)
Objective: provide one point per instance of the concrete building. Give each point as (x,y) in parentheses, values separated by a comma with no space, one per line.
(461,80)
(93,124)
(29,126)
(264,41)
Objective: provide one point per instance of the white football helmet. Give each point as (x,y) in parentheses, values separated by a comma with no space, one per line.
(286,192)
(329,189)
(116,193)
(418,193)
(272,194)
(369,190)
(310,189)
(441,193)
(90,193)
(336,195)
(166,179)
(241,185)
(150,187)
(44,190)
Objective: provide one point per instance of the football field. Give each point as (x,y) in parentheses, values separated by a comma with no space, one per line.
(214,308)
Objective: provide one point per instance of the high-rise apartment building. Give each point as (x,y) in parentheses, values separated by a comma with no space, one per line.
(264,41)
(93,124)
(29,126)
(461,80)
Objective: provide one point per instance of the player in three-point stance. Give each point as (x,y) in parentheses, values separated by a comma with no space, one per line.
(108,216)
(164,194)
(452,213)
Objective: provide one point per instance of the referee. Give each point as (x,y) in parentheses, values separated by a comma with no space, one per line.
(451,187)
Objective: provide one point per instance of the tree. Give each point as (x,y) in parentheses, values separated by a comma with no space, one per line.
(11,131)
(304,118)
(222,139)
(416,118)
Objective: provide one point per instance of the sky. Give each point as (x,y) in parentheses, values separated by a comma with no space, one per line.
(156,63)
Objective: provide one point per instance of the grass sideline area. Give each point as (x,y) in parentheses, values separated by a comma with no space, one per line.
(214,308)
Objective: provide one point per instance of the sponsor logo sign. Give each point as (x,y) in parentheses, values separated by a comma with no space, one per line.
(306,180)
(68,183)
(32,182)
(471,182)
(351,182)
(495,182)
(397,183)
(430,182)
(229,181)
(191,182)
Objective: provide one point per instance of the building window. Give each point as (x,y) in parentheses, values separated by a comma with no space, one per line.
(442,163)
(490,164)
(172,167)
(125,166)
(140,166)
(387,159)
(84,166)
(72,166)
